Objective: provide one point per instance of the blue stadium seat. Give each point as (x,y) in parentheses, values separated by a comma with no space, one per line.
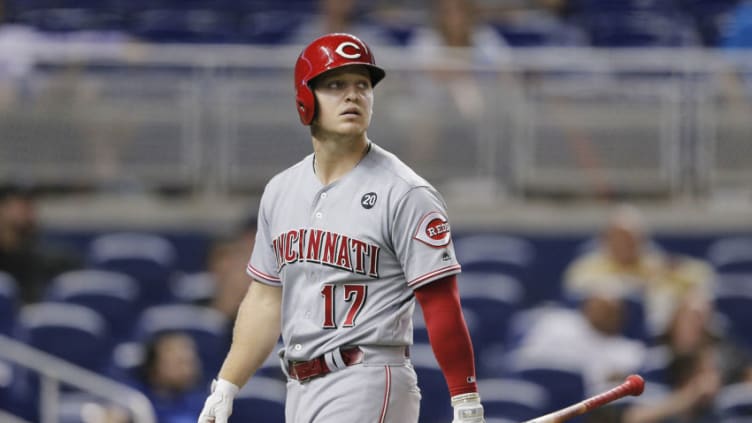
(731,254)
(186,26)
(270,27)
(513,399)
(638,29)
(113,295)
(194,288)
(261,399)
(623,5)
(149,259)
(733,300)
(67,15)
(208,327)
(541,32)
(735,402)
(6,381)
(493,298)
(435,403)
(565,384)
(8,303)
(271,368)
(494,252)
(72,332)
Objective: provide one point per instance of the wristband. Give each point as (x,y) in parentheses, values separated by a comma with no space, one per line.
(472,397)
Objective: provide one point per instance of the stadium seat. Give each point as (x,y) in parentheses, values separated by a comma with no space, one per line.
(188,26)
(731,254)
(113,295)
(67,15)
(493,298)
(271,367)
(261,399)
(564,383)
(269,27)
(512,399)
(72,332)
(149,259)
(735,402)
(435,404)
(541,32)
(8,303)
(494,252)
(193,288)
(208,327)
(733,300)
(6,380)
(638,29)
(79,407)
(623,5)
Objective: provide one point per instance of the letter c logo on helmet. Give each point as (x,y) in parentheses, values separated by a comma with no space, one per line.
(326,53)
(341,50)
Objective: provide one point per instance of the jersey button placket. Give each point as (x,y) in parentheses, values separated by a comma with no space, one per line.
(319,215)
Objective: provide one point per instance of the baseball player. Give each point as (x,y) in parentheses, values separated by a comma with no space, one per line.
(347,239)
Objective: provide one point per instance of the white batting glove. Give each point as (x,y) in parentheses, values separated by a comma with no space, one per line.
(218,405)
(467,408)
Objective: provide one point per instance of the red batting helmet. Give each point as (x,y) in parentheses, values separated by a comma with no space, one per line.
(325,53)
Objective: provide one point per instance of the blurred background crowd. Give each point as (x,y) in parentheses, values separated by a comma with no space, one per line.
(596,157)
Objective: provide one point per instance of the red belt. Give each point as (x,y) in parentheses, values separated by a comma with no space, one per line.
(305,370)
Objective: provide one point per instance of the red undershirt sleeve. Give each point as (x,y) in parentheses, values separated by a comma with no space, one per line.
(448,334)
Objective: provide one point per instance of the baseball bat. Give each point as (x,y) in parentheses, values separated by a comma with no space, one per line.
(632,385)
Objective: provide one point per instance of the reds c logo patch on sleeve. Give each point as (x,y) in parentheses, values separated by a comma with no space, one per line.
(433,230)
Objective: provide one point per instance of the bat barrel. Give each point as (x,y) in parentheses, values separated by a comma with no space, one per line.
(632,385)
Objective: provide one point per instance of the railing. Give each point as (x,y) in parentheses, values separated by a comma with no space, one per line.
(54,371)
(219,119)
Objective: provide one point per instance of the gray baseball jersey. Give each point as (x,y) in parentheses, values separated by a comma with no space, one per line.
(348,255)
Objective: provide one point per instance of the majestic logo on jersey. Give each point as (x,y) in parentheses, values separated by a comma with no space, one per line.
(433,230)
(327,248)
(368,200)
(352,46)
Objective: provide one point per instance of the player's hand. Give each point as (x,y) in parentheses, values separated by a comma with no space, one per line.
(218,405)
(467,408)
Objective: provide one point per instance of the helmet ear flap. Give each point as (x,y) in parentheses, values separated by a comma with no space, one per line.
(306,103)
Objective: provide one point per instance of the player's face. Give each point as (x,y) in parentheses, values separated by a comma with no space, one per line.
(344,100)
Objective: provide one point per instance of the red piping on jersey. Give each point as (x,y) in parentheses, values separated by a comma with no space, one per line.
(387,391)
(433,274)
(262,275)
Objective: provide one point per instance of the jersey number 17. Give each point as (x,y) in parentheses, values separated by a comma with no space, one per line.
(353,294)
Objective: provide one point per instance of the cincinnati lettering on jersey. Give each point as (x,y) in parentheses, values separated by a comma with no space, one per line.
(327,248)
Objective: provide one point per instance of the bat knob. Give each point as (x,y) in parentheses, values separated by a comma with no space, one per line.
(636,384)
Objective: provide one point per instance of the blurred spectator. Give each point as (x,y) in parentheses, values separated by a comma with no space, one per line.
(700,361)
(170,375)
(589,338)
(31,262)
(227,263)
(342,16)
(624,259)
(463,56)
(456,24)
